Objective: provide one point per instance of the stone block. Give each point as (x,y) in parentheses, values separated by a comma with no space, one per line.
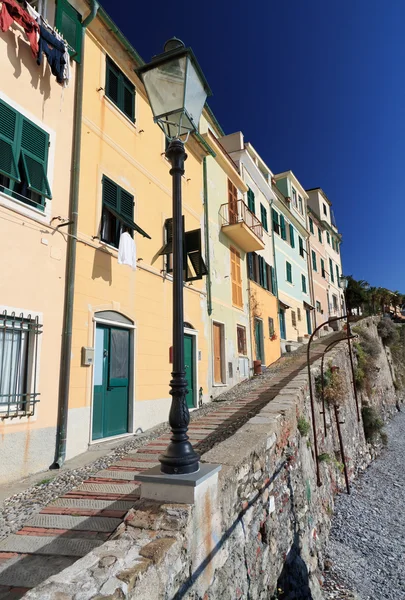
(157,550)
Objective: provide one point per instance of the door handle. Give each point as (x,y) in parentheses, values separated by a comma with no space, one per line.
(109,388)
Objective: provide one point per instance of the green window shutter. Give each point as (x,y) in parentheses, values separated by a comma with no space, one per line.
(126,208)
(273,281)
(119,89)
(292,240)
(283,228)
(275,219)
(34,156)
(323,267)
(311,225)
(263,213)
(110,193)
(331,270)
(69,22)
(194,266)
(328,237)
(128,100)
(9,120)
(251,200)
(314,261)
(112,81)
(319,235)
(337,276)
(304,284)
(289,272)
(301,245)
(264,275)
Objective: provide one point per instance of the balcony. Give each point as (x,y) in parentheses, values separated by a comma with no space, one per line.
(241,226)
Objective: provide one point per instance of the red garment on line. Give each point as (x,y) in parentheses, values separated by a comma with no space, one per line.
(10,12)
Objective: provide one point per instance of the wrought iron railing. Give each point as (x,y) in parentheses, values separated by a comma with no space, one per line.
(238,212)
(18,364)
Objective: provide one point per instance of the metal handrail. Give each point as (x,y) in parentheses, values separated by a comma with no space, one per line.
(238,212)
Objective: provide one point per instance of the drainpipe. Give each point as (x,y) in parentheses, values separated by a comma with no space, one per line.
(207,238)
(64,383)
(311,280)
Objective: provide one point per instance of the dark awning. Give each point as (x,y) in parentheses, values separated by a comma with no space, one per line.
(308,305)
(128,222)
(283,304)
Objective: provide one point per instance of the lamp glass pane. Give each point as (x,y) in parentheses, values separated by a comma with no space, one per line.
(176,124)
(165,86)
(195,93)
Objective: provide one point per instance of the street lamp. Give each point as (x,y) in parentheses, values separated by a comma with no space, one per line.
(177,91)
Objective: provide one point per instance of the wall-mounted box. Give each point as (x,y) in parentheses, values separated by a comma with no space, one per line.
(87,356)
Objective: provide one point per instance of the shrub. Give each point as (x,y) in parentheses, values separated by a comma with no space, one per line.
(369,344)
(303,426)
(373,424)
(335,388)
(387,332)
(324,457)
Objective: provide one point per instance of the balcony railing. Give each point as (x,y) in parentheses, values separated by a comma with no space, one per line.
(238,212)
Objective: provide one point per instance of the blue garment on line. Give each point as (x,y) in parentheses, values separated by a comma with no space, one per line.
(54,50)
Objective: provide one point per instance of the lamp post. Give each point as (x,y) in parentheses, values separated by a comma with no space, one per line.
(177,91)
(343,282)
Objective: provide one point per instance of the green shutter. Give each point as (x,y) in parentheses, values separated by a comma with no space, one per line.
(331,270)
(69,22)
(251,200)
(323,267)
(289,272)
(35,175)
(304,284)
(110,193)
(337,276)
(263,212)
(283,228)
(34,157)
(8,139)
(301,245)
(319,235)
(273,281)
(311,225)
(265,282)
(314,261)
(126,207)
(328,237)
(119,89)
(275,219)
(292,240)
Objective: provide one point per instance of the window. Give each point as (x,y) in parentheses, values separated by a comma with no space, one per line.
(301,246)
(283,228)
(294,197)
(323,268)
(331,270)
(241,334)
(117,213)
(288,268)
(273,281)
(262,273)
(293,318)
(300,205)
(119,89)
(304,283)
(18,364)
(194,266)
(292,240)
(251,201)
(236,278)
(325,210)
(263,214)
(333,242)
(69,22)
(271,327)
(314,261)
(337,276)
(311,225)
(318,307)
(23,158)
(328,237)
(335,302)
(337,246)
(299,314)
(319,235)
(275,219)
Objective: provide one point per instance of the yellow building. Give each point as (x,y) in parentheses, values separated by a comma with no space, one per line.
(122,318)
(36,123)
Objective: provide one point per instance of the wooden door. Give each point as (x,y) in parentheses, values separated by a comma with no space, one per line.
(232,202)
(217,353)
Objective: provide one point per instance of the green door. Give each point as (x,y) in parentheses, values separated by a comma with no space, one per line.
(309,325)
(111,381)
(259,340)
(189,365)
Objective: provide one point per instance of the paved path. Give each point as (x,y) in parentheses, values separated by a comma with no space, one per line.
(85,517)
(367,543)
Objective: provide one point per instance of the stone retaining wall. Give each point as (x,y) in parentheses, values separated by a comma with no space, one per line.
(262,534)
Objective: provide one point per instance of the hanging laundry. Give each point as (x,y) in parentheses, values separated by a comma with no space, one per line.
(10,12)
(54,50)
(127,251)
(66,68)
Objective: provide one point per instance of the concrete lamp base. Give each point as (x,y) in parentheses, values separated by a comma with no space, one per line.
(182,489)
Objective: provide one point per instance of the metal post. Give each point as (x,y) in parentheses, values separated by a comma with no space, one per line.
(179,457)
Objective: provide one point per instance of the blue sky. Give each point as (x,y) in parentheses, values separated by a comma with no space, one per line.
(317,87)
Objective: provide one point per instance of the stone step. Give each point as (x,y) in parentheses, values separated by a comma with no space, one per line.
(29,571)
(74,523)
(90,504)
(139,464)
(35,544)
(107,488)
(111,474)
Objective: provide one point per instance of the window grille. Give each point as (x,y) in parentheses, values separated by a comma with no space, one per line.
(18,364)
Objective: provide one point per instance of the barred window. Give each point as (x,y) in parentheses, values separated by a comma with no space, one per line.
(241,333)
(271,327)
(299,314)
(293,319)
(18,364)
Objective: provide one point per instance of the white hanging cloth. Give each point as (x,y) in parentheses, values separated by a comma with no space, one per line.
(127,251)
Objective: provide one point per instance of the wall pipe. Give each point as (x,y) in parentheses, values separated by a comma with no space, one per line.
(311,395)
(64,382)
(207,238)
